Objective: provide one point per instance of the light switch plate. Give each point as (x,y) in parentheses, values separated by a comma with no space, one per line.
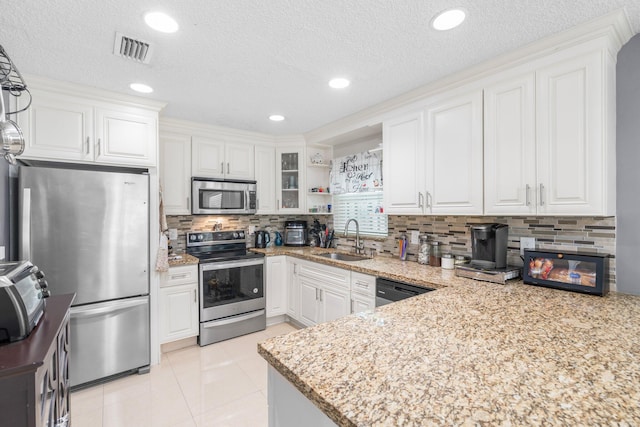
(173,234)
(414,237)
(252,229)
(527,243)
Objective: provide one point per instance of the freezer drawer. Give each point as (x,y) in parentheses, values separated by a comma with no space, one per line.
(109,338)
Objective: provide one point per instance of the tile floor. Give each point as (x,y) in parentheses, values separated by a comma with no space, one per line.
(222,384)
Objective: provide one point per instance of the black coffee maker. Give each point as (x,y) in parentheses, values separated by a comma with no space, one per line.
(489,246)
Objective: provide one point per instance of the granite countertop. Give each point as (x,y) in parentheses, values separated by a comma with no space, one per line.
(473,354)
(387,267)
(185,259)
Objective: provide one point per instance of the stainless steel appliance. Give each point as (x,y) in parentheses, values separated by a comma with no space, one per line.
(489,245)
(89,230)
(231,282)
(220,197)
(295,233)
(388,291)
(22,292)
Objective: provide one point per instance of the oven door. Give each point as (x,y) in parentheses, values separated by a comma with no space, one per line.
(228,288)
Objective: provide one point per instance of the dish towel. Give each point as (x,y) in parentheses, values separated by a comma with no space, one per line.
(162,258)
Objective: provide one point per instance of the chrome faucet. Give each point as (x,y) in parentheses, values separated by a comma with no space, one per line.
(359,243)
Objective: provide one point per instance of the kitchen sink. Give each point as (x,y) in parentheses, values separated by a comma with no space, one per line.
(341,257)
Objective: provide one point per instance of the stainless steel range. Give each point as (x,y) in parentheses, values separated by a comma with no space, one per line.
(231,282)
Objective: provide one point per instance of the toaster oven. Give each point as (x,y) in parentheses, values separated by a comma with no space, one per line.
(22,293)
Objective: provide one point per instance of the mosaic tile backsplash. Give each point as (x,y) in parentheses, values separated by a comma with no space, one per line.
(581,234)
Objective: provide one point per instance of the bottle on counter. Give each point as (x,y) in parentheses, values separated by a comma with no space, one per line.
(423,250)
(435,255)
(448,261)
(402,247)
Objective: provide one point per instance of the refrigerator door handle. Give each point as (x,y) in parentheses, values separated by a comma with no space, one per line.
(109,307)
(25,244)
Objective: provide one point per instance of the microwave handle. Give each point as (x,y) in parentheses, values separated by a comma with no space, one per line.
(25,242)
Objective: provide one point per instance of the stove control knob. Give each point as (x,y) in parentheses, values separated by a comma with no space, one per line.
(192,237)
(201,237)
(235,234)
(241,234)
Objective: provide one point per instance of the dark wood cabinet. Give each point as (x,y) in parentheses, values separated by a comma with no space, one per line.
(34,372)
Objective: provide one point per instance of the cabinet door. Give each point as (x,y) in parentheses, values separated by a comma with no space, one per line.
(334,303)
(175,173)
(239,161)
(454,156)
(571,159)
(309,301)
(178,312)
(207,157)
(276,292)
(126,138)
(57,127)
(510,147)
(265,163)
(293,290)
(403,164)
(289,180)
(360,303)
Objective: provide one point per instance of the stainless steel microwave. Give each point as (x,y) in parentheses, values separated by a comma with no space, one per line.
(221,197)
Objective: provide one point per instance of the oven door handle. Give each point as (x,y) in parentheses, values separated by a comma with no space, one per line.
(234,319)
(230,264)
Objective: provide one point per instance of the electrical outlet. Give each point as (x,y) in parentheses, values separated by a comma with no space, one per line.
(173,234)
(252,229)
(527,243)
(414,237)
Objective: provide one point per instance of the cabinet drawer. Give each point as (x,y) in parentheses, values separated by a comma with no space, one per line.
(180,275)
(363,283)
(325,274)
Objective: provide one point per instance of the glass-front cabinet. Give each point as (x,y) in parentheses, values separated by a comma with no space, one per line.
(290,179)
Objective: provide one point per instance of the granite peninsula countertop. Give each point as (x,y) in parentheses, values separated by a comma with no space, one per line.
(380,266)
(473,354)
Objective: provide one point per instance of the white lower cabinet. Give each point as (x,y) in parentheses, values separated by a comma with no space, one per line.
(179,303)
(309,301)
(334,303)
(363,292)
(276,285)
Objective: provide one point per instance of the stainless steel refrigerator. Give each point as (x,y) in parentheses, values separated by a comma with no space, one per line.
(88,231)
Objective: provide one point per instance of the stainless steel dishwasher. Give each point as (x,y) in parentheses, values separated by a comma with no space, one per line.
(388,291)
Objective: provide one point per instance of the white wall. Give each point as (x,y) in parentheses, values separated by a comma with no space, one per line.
(628,168)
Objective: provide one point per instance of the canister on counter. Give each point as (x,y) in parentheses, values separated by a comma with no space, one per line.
(448,261)
(434,254)
(423,250)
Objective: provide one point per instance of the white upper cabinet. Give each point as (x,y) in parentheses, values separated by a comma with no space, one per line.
(403,165)
(290,180)
(576,153)
(510,147)
(126,137)
(216,158)
(65,124)
(265,162)
(454,182)
(175,173)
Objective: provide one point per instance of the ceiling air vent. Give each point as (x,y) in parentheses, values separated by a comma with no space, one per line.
(131,48)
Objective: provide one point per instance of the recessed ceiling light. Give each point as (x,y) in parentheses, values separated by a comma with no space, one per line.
(140,87)
(276,118)
(448,19)
(161,22)
(339,83)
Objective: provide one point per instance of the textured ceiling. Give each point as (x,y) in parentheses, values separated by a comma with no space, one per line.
(235,62)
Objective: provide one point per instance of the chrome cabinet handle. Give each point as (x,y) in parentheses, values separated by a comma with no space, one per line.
(526,195)
(278,204)
(98,146)
(317,294)
(420,200)
(351,309)
(195,295)
(428,199)
(541,195)
(257,204)
(179,276)
(87,145)
(320,294)
(228,168)
(221,167)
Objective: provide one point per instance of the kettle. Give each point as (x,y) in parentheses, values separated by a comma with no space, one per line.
(262,238)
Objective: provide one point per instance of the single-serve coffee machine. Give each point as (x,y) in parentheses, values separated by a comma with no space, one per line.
(489,246)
